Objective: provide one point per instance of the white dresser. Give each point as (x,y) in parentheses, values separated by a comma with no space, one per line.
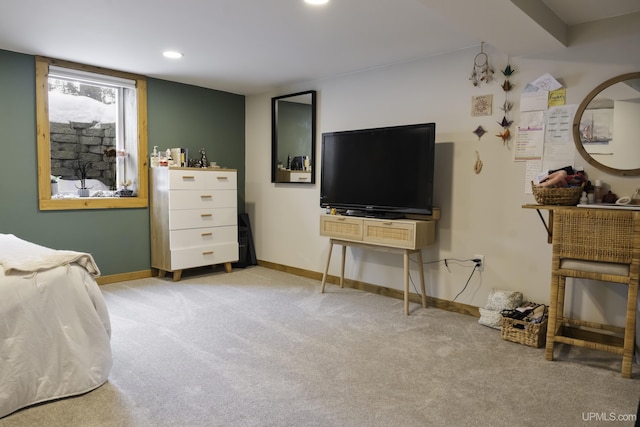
(194,214)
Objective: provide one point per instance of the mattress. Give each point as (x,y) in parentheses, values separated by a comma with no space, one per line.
(54,325)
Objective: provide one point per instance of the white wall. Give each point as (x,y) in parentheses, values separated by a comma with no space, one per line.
(625,154)
(481,214)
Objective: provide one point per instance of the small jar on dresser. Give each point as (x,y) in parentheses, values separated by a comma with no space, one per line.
(194,218)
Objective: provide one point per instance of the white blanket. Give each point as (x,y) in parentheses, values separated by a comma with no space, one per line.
(54,325)
(17,255)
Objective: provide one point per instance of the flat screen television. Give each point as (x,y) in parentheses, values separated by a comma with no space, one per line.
(382,172)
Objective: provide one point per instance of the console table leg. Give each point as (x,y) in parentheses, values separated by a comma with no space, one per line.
(406,282)
(344,255)
(422,286)
(326,269)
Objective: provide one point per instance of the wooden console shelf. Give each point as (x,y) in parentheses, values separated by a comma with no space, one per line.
(405,236)
(599,243)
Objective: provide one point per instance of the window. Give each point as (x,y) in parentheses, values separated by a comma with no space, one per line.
(92,137)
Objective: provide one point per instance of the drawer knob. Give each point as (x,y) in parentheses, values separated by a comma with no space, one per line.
(222,178)
(206,215)
(185,177)
(206,234)
(207,253)
(206,196)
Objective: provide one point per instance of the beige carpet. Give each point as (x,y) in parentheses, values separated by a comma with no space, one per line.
(259,347)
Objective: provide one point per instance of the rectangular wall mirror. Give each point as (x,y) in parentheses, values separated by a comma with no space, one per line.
(293,144)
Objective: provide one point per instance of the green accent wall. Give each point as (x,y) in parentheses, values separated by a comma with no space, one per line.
(178,116)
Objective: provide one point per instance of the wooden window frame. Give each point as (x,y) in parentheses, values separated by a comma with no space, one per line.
(46,202)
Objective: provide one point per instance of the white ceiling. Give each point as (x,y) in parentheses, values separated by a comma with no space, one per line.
(574,12)
(255,46)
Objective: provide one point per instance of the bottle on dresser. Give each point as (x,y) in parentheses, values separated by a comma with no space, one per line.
(597,191)
(155,160)
(584,199)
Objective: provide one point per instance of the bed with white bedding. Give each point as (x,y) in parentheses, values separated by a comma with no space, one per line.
(54,325)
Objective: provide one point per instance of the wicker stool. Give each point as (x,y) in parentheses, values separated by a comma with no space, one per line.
(597,244)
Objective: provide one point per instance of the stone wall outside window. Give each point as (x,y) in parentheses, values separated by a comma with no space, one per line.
(84,142)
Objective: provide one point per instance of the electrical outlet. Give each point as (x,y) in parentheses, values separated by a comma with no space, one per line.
(480,263)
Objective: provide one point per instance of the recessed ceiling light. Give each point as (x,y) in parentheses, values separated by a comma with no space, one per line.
(316,1)
(172,54)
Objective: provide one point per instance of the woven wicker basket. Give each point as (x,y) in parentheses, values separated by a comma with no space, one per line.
(564,196)
(523,332)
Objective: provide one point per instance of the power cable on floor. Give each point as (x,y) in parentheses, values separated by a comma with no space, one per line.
(446,263)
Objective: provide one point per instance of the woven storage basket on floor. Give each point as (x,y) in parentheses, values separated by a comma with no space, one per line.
(564,196)
(522,332)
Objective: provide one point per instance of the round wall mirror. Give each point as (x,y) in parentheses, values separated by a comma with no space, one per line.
(606,128)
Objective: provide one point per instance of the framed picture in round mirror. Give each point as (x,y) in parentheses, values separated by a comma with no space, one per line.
(606,128)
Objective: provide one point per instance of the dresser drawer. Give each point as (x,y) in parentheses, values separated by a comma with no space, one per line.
(300,177)
(198,218)
(341,227)
(399,233)
(195,237)
(202,199)
(394,233)
(206,255)
(192,179)
(285,175)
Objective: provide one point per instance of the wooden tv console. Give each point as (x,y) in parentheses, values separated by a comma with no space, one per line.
(405,236)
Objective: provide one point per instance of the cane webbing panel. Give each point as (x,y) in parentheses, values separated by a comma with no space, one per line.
(575,235)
